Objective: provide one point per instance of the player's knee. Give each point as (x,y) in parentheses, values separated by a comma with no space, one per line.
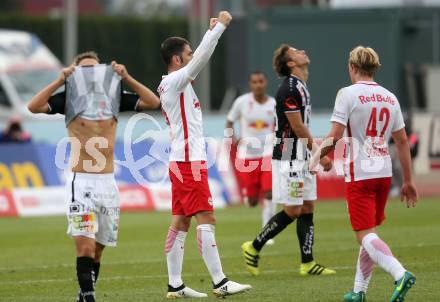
(308,207)
(86,250)
(85,247)
(361,234)
(293,212)
(206,218)
(98,251)
(253,201)
(184,225)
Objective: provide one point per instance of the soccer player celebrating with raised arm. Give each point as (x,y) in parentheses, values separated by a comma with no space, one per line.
(371,115)
(188,172)
(92,194)
(292,184)
(256,112)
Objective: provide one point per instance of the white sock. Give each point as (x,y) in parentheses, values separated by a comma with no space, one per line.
(208,250)
(269,210)
(381,254)
(174,248)
(364,271)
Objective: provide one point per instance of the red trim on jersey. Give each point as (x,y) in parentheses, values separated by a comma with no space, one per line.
(185,125)
(351,151)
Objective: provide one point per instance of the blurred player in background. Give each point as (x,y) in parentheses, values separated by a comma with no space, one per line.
(371,115)
(256,112)
(92,194)
(188,172)
(292,184)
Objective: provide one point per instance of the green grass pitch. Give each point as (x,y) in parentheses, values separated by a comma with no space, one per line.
(37,258)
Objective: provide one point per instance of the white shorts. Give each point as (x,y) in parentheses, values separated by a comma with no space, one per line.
(93,207)
(292,183)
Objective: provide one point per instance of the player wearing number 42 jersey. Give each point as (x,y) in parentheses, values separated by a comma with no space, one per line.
(370,115)
(188,173)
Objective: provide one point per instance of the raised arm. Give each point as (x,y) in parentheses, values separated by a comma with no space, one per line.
(207,45)
(147,98)
(39,103)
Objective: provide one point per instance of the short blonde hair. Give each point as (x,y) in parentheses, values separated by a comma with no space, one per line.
(85,55)
(365,59)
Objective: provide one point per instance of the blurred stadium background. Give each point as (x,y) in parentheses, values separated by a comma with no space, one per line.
(38,37)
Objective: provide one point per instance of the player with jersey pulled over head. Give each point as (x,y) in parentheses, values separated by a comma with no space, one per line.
(368,115)
(255,111)
(91,104)
(293,185)
(188,172)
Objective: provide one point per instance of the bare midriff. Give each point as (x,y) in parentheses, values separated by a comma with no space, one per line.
(94,141)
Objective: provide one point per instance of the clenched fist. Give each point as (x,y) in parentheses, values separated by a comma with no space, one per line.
(120,69)
(65,72)
(224,17)
(212,23)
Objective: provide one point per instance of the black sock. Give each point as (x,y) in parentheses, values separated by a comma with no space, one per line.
(84,272)
(305,233)
(96,266)
(275,225)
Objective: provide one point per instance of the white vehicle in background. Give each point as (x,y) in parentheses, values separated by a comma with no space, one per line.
(26,66)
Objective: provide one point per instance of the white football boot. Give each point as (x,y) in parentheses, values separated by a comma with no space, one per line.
(227,288)
(183,292)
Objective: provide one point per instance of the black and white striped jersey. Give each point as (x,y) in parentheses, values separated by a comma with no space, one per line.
(292,96)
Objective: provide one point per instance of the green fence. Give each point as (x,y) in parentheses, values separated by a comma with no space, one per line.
(399,35)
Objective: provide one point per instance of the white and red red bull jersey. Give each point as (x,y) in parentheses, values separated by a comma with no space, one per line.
(257,125)
(371,114)
(181,106)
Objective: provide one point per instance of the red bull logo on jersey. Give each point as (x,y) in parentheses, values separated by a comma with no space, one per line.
(259,125)
(196,104)
(376,98)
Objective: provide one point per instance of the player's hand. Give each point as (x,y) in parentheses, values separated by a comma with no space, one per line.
(313,164)
(224,17)
(120,69)
(65,72)
(212,23)
(326,163)
(408,194)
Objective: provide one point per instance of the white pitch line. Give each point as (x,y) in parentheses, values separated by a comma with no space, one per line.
(125,262)
(164,276)
(162,259)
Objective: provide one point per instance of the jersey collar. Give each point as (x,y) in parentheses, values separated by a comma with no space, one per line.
(294,76)
(370,83)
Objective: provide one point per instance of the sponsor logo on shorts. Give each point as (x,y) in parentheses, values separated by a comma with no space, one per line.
(84,223)
(110,211)
(78,208)
(105,196)
(74,208)
(296,189)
